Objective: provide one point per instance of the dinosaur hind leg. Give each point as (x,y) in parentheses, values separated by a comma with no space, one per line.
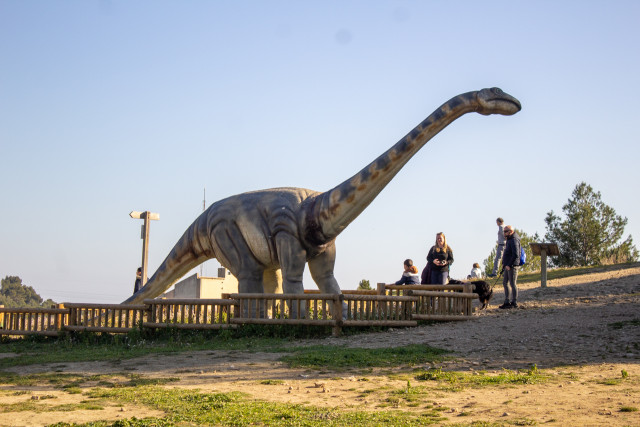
(234,253)
(292,259)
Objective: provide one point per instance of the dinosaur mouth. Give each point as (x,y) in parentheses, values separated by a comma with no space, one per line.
(495,101)
(504,105)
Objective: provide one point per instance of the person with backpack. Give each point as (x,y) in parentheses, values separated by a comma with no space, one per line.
(510,265)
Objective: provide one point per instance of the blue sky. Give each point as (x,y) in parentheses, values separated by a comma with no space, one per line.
(112,106)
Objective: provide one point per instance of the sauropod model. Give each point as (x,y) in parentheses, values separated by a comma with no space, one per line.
(266,237)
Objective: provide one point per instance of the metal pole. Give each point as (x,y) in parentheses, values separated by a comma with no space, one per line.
(145,247)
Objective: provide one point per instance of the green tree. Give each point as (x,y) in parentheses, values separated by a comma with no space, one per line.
(364,285)
(14,294)
(591,232)
(533,263)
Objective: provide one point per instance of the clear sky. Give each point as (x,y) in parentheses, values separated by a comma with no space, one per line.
(112,106)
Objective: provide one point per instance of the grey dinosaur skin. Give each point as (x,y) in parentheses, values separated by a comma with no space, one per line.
(263,234)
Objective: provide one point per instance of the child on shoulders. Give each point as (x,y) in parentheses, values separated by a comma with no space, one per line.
(410,275)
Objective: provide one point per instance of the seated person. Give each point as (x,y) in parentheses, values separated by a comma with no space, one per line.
(476,272)
(410,275)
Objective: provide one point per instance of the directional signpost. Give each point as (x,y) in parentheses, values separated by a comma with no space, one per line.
(544,249)
(147,216)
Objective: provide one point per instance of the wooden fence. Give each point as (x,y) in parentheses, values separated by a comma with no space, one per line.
(389,305)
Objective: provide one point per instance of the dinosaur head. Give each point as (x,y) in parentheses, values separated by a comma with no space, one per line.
(495,101)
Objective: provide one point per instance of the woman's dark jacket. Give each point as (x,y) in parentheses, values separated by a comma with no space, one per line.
(442,255)
(511,255)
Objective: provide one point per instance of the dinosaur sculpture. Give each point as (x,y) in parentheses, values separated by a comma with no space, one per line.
(262,234)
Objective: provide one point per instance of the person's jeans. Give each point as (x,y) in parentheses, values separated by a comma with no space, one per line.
(439,277)
(498,258)
(509,280)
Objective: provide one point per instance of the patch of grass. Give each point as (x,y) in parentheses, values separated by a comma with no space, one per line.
(624,323)
(72,383)
(34,406)
(524,422)
(561,273)
(272,382)
(332,357)
(628,409)
(88,346)
(189,407)
(456,381)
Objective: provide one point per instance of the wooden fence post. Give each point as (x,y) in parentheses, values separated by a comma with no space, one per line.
(2,318)
(381,290)
(59,325)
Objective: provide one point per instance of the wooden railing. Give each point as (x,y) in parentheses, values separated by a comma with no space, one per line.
(41,321)
(285,309)
(390,305)
(436,302)
(189,313)
(379,310)
(114,318)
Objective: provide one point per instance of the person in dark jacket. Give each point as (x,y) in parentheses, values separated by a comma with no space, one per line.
(439,259)
(138,284)
(410,275)
(510,264)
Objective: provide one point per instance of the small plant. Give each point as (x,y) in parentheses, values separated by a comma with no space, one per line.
(628,409)
(625,374)
(272,382)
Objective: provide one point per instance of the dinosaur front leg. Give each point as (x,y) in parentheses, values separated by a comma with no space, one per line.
(321,269)
(272,280)
(292,259)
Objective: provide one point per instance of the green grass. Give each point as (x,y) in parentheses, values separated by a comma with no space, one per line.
(561,273)
(337,358)
(272,382)
(625,323)
(83,347)
(72,383)
(456,381)
(34,406)
(188,407)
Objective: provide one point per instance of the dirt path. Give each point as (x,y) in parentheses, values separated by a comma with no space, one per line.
(582,331)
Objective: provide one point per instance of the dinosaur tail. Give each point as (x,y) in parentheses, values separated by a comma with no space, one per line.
(330,212)
(192,249)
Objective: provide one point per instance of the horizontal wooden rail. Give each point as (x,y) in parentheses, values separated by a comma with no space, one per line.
(105,306)
(188,301)
(34,310)
(440,294)
(346,292)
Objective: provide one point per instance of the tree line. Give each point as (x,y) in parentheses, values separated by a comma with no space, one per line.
(13,293)
(588,233)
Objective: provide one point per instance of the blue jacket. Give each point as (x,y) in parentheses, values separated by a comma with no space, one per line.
(409,279)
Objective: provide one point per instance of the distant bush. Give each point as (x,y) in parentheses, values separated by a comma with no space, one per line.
(14,294)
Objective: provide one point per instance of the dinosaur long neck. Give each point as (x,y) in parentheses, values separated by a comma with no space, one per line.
(330,212)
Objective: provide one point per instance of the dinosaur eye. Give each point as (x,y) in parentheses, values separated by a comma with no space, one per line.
(497,91)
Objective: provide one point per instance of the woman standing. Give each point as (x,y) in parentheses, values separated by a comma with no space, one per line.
(438,261)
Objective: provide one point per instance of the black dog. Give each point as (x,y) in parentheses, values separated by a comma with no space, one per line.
(480,287)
